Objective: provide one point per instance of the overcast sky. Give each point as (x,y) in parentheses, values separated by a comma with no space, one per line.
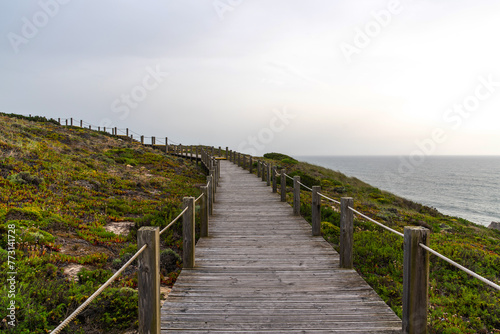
(317,77)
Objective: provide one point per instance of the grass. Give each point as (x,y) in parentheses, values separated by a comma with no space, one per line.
(59,188)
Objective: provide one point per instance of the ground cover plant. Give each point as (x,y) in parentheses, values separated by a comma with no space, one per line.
(60,190)
(458,303)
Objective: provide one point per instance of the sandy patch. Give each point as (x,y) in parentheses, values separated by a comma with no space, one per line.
(72,270)
(122,228)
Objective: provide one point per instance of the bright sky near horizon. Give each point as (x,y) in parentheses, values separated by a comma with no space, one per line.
(314,77)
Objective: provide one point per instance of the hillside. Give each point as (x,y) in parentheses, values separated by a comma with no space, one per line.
(64,190)
(458,303)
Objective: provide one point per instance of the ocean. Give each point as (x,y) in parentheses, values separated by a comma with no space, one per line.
(462,186)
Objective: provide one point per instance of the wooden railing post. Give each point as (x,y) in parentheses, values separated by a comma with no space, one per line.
(66,122)
(214,184)
(126,132)
(415,280)
(71,121)
(346,232)
(283,186)
(166,144)
(268,172)
(210,195)
(148,280)
(239,159)
(263,172)
(296,195)
(153,140)
(251,164)
(142,140)
(218,172)
(275,179)
(316,211)
(188,239)
(116,131)
(59,121)
(227,151)
(258,168)
(204,211)
(213,172)
(81,123)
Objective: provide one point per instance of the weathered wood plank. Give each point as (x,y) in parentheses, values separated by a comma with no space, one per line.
(261,271)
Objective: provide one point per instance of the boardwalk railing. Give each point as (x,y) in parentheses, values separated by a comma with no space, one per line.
(148,253)
(415,240)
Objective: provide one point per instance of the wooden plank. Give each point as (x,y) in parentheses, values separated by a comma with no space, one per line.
(261,271)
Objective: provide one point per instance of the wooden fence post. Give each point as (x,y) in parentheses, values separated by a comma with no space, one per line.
(268,172)
(258,168)
(116,131)
(227,152)
(142,140)
(415,280)
(166,144)
(251,164)
(220,151)
(126,132)
(204,211)
(316,211)
(71,121)
(263,172)
(66,122)
(210,195)
(213,172)
(218,171)
(346,232)
(148,280)
(275,179)
(188,239)
(296,195)
(283,186)
(81,123)
(59,121)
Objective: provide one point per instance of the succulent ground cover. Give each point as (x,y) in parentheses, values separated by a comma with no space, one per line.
(60,188)
(458,302)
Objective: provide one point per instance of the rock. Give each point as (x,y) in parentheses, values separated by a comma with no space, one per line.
(495,226)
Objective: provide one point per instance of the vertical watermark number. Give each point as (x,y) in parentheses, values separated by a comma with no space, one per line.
(11,274)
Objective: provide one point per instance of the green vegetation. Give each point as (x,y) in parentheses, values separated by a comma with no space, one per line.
(60,188)
(458,303)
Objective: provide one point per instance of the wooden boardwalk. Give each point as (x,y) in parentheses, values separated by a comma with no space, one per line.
(261,271)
